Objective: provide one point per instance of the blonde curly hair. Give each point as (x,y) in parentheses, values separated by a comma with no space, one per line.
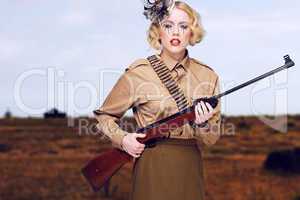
(196,27)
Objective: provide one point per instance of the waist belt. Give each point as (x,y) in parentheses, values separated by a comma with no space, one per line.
(176,141)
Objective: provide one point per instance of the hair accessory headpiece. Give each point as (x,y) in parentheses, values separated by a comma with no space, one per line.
(156,10)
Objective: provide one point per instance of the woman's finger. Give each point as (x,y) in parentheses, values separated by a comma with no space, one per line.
(140,135)
(134,155)
(141,147)
(198,109)
(207,114)
(201,111)
(205,110)
(210,109)
(137,155)
(139,152)
(198,113)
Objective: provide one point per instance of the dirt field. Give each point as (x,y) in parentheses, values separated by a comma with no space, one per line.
(42,159)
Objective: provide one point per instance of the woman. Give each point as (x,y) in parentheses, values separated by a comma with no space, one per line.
(173,169)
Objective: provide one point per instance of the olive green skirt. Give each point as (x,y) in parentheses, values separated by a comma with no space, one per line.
(173,169)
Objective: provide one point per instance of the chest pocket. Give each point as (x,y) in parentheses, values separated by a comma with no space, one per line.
(156,107)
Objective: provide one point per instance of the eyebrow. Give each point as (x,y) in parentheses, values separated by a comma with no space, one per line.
(182,22)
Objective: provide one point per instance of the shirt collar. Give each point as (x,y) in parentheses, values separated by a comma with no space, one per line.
(184,62)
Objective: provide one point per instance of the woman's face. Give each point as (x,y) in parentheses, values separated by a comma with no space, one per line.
(175,31)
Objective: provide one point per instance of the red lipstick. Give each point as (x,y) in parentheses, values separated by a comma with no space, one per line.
(175,42)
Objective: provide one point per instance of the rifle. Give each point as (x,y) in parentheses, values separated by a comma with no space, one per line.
(100,169)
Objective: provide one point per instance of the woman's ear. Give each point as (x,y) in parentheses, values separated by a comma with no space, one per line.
(191,37)
(159,44)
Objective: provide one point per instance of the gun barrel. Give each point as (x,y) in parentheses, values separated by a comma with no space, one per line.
(288,63)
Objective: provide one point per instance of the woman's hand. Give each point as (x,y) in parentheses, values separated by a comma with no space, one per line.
(132,146)
(203,112)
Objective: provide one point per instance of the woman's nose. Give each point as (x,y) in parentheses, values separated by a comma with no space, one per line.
(176,31)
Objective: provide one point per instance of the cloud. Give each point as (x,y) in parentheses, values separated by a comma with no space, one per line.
(9,49)
(87,36)
(260,22)
(77,18)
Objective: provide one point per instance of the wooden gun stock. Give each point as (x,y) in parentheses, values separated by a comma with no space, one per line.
(100,169)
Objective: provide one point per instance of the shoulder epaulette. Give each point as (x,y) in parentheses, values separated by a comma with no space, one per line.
(137,63)
(202,64)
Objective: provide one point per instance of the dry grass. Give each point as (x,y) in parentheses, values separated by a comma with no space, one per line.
(44,158)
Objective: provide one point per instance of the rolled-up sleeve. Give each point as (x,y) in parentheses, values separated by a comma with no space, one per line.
(118,101)
(212,131)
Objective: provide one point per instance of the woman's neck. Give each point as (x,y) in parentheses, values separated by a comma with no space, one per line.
(173,58)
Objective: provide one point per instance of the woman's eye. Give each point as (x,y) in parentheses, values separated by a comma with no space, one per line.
(184,27)
(167,26)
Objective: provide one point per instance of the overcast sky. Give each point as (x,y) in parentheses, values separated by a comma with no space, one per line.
(69,54)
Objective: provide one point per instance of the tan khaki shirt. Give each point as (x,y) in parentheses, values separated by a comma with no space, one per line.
(140,88)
